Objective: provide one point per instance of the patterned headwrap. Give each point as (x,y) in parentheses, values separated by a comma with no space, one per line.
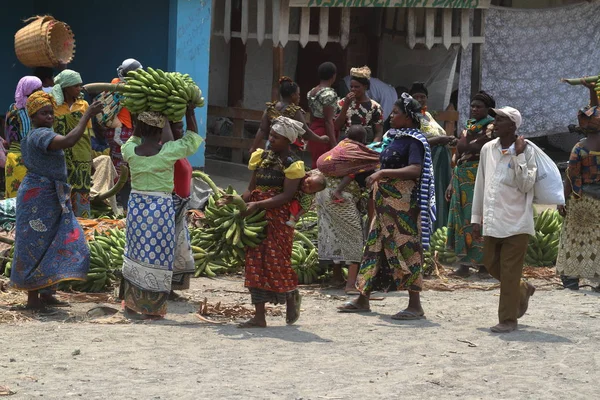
(288,128)
(153,118)
(411,107)
(26,86)
(131,64)
(362,72)
(37,100)
(65,79)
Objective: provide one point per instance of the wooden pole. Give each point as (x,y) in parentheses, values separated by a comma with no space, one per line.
(277,72)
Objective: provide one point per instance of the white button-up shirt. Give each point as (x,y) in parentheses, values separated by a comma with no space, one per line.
(503,195)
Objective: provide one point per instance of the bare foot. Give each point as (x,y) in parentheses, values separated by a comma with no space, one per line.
(504,327)
(50,300)
(253,323)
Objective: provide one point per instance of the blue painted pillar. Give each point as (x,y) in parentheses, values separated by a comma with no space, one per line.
(189,52)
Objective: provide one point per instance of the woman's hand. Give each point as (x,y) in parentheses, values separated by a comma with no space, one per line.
(246,196)
(337,197)
(94,108)
(476,231)
(252,208)
(449,193)
(589,85)
(374,177)
(348,99)
(562,210)
(324,139)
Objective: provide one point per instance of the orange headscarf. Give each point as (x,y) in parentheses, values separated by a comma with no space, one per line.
(124,115)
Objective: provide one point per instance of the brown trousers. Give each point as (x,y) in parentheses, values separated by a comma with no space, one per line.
(503,258)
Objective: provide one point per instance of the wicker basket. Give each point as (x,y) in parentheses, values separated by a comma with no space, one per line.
(45,42)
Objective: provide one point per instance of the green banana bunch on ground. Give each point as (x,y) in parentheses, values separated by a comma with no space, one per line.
(156,90)
(305,260)
(113,242)
(226,233)
(438,243)
(543,246)
(101,274)
(308,225)
(8,265)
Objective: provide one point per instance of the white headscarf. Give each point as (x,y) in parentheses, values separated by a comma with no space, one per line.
(288,128)
(131,64)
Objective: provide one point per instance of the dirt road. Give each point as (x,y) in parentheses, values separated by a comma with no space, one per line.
(555,354)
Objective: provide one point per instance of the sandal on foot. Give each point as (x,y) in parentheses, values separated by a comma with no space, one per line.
(297,302)
(350,307)
(351,292)
(407,316)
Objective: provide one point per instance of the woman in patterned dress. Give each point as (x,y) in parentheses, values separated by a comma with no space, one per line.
(69,110)
(50,246)
(478,131)
(151,154)
(358,109)
(287,107)
(580,237)
(404,201)
(322,103)
(17,127)
(275,181)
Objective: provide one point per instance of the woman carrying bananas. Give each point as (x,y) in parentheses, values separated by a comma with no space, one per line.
(276,179)
(69,110)
(17,125)
(404,200)
(50,246)
(183,266)
(580,237)
(477,132)
(150,239)
(286,107)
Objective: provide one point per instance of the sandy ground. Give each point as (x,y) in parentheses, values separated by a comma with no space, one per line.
(327,355)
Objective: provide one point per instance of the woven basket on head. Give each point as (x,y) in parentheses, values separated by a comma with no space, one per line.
(44,42)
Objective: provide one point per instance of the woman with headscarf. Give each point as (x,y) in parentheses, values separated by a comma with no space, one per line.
(440,153)
(69,110)
(50,246)
(322,103)
(478,131)
(404,200)
(580,236)
(358,109)
(120,129)
(17,126)
(286,107)
(151,154)
(276,177)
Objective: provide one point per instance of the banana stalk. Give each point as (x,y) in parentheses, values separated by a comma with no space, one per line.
(579,81)
(94,88)
(117,187)
(209,182)
(234,199)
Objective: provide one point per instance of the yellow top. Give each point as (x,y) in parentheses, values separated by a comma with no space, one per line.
(79,105)
(294,171)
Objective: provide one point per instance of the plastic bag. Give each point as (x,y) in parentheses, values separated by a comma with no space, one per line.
(548,187)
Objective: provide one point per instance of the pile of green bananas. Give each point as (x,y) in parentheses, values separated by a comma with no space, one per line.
(156,90)
(305,260)
(543,247)
(437,243)
(225,233)
(101,274)
(308,225)
(8,265)
(113,243)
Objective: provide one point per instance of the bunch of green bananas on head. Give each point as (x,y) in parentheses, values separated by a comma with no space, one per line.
(543,246)
(305,260)
(156,90)
(226,232)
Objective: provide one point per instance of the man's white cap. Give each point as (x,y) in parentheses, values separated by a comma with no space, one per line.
(512,113)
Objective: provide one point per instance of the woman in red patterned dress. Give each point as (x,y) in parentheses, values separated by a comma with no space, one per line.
(275,181)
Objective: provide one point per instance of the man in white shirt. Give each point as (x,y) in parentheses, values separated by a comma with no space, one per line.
(503,201)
